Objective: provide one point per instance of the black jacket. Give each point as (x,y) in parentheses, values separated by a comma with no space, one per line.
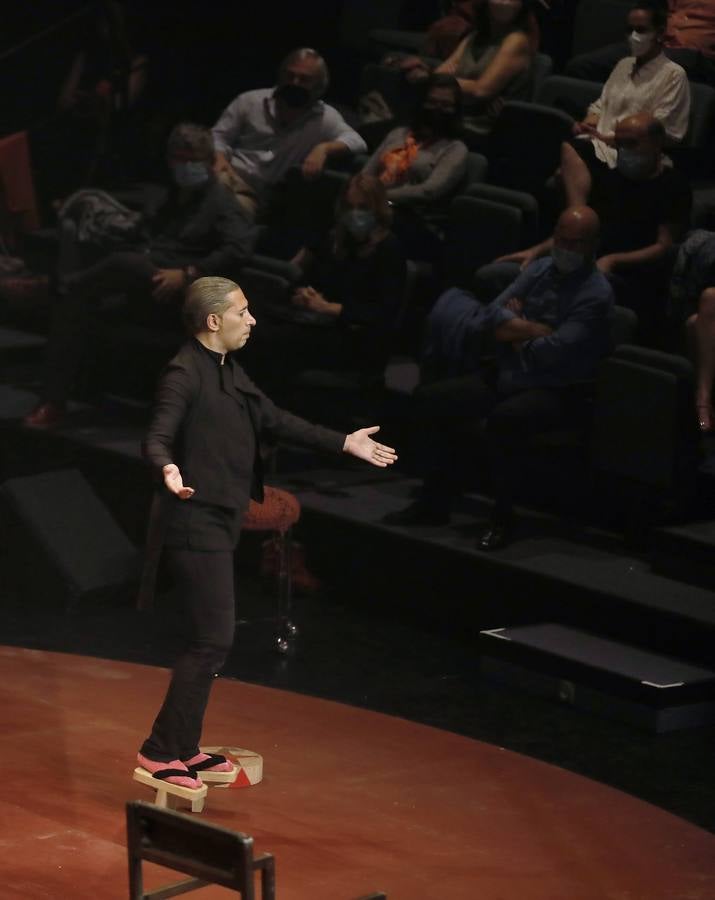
(193,427)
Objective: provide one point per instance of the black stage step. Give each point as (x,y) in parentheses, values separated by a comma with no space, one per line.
(600,675)
(686,552)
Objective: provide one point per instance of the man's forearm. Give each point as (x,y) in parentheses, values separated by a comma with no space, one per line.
(334,148)
(517,329)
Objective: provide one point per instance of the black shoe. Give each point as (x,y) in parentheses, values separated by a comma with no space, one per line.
(417,513)
(497,534)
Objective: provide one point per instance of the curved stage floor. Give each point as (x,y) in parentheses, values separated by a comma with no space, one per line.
(351,800)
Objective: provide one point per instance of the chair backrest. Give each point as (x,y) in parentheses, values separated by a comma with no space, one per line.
(525,145)
(571,95)
(541,68)
(527,204)
(479,230)
(598,23)
(623,322)
(208,853)
(304,211)
(645,427)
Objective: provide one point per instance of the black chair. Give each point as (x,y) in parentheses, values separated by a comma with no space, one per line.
(645,427)
(519,162)
(525,203)
(571,95)
(478,231)
(208,853)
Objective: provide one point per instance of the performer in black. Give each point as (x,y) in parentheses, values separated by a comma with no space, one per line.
(204,440)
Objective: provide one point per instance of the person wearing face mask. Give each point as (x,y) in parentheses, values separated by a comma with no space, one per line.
(192,228)
(344,314)
(644,81)
(421,166)
(644,207)
(263,133)
(689,40)
(551,329)
(493,63)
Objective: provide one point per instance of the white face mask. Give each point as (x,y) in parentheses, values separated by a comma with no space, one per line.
(567,261)
(640,44)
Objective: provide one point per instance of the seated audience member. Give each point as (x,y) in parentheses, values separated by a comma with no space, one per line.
(644,208)
(344,314)
(551,326)
(262,133)
(689,40)
(493,63)
(421,166)
(645,81)
(195,229)
(445,36)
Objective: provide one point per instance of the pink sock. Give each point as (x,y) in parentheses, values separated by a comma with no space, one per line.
(201,757)
(183,781)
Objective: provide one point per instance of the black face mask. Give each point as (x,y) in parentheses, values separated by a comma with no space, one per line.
(294,96)
(436,121)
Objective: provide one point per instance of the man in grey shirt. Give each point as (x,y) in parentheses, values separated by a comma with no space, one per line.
(262,133)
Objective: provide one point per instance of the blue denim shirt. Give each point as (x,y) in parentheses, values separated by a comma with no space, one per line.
(576,306)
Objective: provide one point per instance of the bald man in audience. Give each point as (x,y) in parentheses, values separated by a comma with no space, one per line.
(551,328)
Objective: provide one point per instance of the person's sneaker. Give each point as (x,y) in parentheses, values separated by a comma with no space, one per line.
(46,415)
(417,513)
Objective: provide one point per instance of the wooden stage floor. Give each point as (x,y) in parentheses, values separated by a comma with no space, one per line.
(351,801)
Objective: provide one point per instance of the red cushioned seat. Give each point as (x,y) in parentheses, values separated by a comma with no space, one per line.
(279,511)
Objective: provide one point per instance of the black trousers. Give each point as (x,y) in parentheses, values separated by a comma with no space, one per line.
(457,412)
(205,582)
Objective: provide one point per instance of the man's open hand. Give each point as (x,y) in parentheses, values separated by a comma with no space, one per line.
(174,482)
(360,444)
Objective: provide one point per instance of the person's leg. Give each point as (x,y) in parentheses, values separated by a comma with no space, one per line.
(702,330)
(575,172)
(596,65)
(509,427)
(206,584)
(443,412)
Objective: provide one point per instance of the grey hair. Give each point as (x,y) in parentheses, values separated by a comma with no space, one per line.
(187,136)
(321,86)
(206,296)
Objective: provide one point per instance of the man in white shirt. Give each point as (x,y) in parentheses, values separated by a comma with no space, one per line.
(644,82)
(263,133)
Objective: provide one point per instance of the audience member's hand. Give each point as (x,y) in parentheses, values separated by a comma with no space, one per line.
(314,162)
(360,444)
(309,298)
(417,75)
(514,305)
(606,264)
(167,283)
(174,482)
(221,163)
(523,257)
(408,62)
(586,128)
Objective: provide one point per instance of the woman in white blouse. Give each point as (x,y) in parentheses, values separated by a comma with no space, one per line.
(646,81)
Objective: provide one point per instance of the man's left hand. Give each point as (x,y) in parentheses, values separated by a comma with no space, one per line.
(167,283)
(360,444)
(314,162)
